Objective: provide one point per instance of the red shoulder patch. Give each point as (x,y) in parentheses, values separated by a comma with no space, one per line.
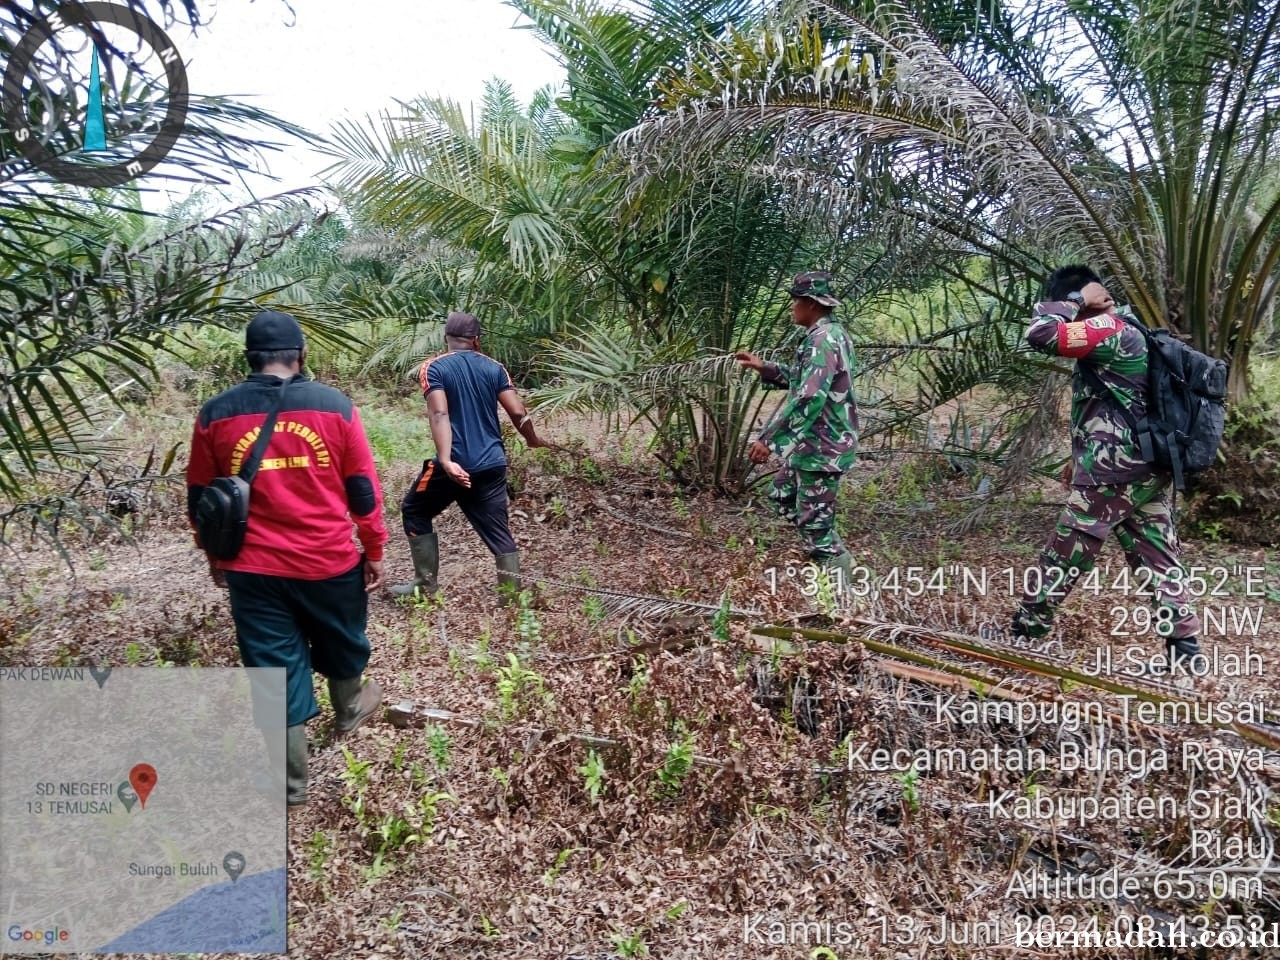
(1078,338)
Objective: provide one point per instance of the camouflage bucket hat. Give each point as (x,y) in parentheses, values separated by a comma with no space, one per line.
(816,285)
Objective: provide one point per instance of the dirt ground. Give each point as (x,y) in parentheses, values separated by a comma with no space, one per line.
(718,813)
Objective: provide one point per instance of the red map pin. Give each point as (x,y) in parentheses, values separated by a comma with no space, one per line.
(143,779)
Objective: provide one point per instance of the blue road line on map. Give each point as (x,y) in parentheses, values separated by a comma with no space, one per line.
(247,916)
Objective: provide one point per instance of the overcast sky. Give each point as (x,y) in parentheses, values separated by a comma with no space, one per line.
(331,59)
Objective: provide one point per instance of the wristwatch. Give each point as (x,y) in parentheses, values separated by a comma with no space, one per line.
(1076,297)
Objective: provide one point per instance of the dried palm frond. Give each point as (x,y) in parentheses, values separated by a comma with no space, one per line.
(1020,664)
(640,605)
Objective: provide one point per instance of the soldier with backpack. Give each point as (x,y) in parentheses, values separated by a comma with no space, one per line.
(1118,483)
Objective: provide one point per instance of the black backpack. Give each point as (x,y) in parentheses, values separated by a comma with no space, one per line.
(1186,405)
(221,515)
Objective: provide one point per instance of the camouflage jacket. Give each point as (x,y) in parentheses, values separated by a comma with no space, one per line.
(1104,449)
(816,428)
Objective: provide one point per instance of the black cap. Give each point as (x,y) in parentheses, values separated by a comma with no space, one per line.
(462,325)
(272,330)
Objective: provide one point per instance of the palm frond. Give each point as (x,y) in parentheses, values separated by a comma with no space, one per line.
(87,314)
(979,122)
(642,606)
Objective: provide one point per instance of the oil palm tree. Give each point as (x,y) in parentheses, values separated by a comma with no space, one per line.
(1135,134)
(93,286)
(636,300)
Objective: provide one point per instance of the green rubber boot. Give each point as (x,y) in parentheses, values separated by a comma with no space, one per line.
(425,550)
(508,575)
(840,569)
(295,758)
(354,702)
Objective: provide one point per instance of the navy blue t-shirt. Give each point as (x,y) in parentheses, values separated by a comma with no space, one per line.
(471,383)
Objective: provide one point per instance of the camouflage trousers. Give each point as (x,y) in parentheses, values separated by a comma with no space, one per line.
(1140,514)
(807,498)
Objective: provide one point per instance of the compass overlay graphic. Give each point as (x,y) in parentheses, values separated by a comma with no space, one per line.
(18,72)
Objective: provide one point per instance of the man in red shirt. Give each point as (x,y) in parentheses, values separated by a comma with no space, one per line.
(299,587)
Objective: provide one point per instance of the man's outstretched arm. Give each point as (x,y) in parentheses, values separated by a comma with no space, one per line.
(774,376)
(519,415)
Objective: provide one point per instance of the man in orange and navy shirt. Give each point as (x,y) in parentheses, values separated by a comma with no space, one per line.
(463,389)
(299,586)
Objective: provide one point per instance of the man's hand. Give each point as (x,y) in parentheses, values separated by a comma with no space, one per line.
(749,361)
(758,452)
(456,473)
(539,442)
(216,574)
(372,575)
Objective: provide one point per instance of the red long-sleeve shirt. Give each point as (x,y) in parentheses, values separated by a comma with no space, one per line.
(316,477)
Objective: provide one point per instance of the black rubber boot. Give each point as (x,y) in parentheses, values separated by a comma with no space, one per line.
(508,575)
(425,550)
(291,765)
(1019,629)
(1185,656)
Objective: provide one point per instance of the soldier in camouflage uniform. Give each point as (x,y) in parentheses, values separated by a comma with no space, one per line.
(1113,489)
(816,429)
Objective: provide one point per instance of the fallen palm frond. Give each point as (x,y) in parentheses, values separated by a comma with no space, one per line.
(638,604)
(657,528)
(1020,664)
(912,665)
(916,668)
